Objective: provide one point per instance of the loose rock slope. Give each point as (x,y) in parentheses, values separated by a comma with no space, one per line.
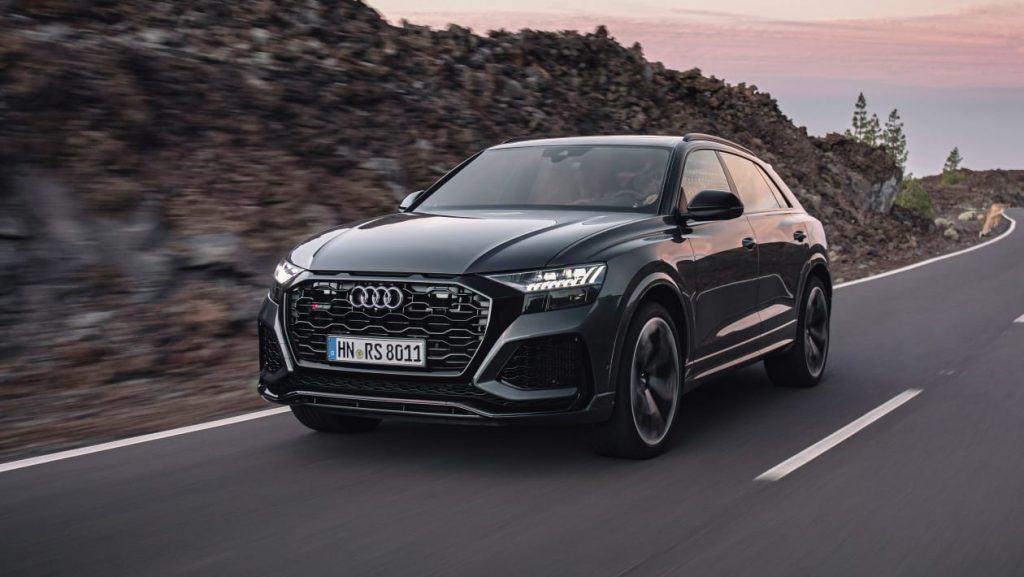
(156,158)
(976,190)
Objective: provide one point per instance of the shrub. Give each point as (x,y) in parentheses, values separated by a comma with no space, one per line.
(915,198)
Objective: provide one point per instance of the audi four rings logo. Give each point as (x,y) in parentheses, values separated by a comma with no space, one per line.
(376,297)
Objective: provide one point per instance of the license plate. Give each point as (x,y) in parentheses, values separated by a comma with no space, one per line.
(402,352)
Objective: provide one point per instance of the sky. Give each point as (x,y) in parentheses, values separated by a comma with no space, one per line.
(953,68)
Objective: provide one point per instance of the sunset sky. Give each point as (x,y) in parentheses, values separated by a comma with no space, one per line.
(953,68)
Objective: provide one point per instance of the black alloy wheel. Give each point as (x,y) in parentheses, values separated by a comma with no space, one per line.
(649,388)
(803,364)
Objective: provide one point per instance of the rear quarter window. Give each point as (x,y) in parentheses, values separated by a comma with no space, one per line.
(751,184)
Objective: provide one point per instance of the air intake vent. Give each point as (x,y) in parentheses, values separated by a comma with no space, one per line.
(270,352)
(547,363)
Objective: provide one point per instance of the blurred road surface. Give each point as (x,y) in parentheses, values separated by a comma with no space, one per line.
(935,487)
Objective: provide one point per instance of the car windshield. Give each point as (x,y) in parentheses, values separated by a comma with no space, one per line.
(587,177)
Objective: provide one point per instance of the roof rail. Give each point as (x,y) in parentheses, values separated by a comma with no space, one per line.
(519,139)
(711,138)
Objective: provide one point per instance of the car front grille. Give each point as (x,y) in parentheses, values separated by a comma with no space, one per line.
(450,318)
(547,363)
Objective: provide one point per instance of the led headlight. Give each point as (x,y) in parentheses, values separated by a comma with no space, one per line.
(556,288)
(284,274)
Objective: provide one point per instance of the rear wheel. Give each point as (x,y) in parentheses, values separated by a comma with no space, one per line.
(329,422)
(648,389)
(804,363)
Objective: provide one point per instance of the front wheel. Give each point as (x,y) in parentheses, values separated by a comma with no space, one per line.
(329,422)
(648,389)
(804,363)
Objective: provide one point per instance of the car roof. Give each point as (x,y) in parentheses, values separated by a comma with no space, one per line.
(617,140)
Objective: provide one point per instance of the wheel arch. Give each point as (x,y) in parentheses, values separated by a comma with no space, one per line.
(662,287)
(817,267)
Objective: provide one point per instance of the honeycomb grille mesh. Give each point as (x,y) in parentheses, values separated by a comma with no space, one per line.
(546,363)
(270,352)
(452,319)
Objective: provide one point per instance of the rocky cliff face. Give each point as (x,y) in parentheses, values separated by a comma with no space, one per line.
(158,157)
(869,181)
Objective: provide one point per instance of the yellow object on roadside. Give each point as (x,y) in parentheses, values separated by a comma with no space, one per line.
(994,214)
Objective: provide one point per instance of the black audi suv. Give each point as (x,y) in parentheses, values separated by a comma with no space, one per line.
(590,279)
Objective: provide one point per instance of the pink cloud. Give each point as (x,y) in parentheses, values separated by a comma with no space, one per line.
(974,48)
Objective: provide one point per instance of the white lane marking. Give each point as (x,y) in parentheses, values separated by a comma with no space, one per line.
(12,465)
(241,418)
(1013,225)
(1020,319)
(816,450)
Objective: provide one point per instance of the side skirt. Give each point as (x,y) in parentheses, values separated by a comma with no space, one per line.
(745,359)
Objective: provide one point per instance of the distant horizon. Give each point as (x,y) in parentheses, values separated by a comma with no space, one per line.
(953,68)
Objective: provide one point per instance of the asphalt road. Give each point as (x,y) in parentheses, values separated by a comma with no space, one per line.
(936,487)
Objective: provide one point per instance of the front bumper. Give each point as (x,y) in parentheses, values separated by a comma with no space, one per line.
(481,393)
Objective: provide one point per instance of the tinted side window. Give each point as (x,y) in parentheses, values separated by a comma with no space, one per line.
(703,171)
(783,201)
(750,184)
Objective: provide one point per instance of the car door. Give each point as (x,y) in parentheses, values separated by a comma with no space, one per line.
(780,231)
(725,260)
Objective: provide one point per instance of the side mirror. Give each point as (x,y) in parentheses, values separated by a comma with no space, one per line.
(713,205)
(408,201)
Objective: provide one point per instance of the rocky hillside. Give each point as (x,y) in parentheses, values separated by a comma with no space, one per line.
(158,157)
(976,189)
(959,208)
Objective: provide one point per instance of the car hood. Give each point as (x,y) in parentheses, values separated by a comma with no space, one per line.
(456,242)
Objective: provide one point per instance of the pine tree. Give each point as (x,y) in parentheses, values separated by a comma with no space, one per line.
(953,161)
(872,131)
(894,140)
(860,118)
(951,170)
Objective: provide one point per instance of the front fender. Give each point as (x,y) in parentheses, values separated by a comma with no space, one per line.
(642,284)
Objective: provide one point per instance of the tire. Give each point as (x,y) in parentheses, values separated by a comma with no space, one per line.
(804,363)
(648,388)
(328,422)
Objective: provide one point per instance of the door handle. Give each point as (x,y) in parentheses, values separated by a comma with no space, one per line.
(799,236)
(749,243)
